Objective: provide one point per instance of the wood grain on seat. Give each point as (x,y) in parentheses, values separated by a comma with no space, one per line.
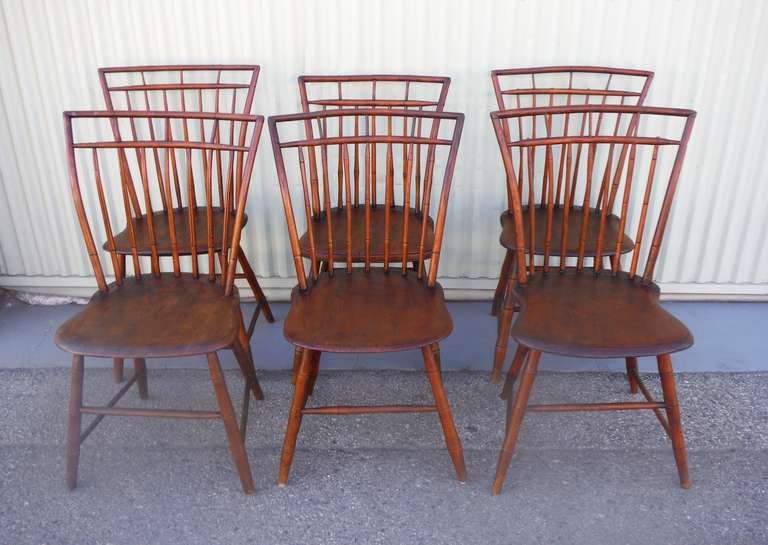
(339,233)
(181,221)
(154,317)
(575,218)
(367,312)
(599,316)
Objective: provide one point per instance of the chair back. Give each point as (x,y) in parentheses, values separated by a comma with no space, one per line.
(394,136)
(182,175)
(617,171)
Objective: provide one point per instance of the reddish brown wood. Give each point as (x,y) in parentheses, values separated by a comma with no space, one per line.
(580,308)
(526,88)
(162,311)
(331,308)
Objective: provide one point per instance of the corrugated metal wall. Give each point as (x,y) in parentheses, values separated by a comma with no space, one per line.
(711,56)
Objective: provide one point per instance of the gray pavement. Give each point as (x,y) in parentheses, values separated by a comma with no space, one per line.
(578,478)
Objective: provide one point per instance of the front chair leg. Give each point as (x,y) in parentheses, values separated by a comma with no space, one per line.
(117,369)
(452,441)
(515,419)
(294,416)
(236,446)
(74,420)
(673,417)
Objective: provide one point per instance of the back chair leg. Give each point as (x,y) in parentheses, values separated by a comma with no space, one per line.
(298,353)
(631,370)
(498,296)
(515,419)
(673,417)
(314,370)
(74,420)
(294,416)
(242,350)
(452,441)
(514,371)
(261,299)
(118,364)
(236,446)
(140,368)
(505,325)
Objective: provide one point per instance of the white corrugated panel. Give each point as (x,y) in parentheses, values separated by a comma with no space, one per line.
(710,56)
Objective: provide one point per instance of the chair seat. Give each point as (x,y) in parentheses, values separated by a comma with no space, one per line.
(163,237)
(600,316)
(339,232)
(367,312)
(574,230)
(154,317)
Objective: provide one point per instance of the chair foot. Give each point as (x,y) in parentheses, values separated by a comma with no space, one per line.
(118,365)
(515,419)
(140,368)
(452,440)
(631,371)
(236,446)
(673,418)
(74,420)
(294,416)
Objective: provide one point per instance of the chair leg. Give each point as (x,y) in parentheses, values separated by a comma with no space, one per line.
(673,418)
(314,370)
(631,370)
(498,296)
(505,325)
(140,368)
(236,446)
(436,353)
(514,371)
(73,427)
(294,416)
(242,350)
(261,300)
(452,440)
(516,419)
(118,364)
(297,355)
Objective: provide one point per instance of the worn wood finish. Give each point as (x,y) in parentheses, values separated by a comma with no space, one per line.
(160,310)
(358,295)
(193,88)
(517,88)
(603,305)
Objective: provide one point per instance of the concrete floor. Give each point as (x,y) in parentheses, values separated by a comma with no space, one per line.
(578,478)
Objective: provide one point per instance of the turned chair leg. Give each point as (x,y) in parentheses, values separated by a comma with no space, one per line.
(631,372)
(515,419)
(514,371)
(298,353)
(74,420)
(295,414)
(452,440)
(505,325)
(118,364)
(261,300)
(235,439)
(140,368)
(673,418)
(498,296)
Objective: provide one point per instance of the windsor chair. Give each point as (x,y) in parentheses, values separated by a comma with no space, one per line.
(368,306)
(159,310)
(202,88)
(330,92)
(517,88)
(580,305)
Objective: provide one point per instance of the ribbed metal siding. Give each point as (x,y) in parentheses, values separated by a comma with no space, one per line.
(710,56)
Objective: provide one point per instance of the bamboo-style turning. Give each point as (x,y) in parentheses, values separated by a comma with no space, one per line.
(161,309)
(354,295)
(601,304)
(525,88)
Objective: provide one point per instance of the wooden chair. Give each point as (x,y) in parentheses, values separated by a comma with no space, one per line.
(366,307)
(333,92)
(153,313)
(605,305)
(201,88)
(517,88)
